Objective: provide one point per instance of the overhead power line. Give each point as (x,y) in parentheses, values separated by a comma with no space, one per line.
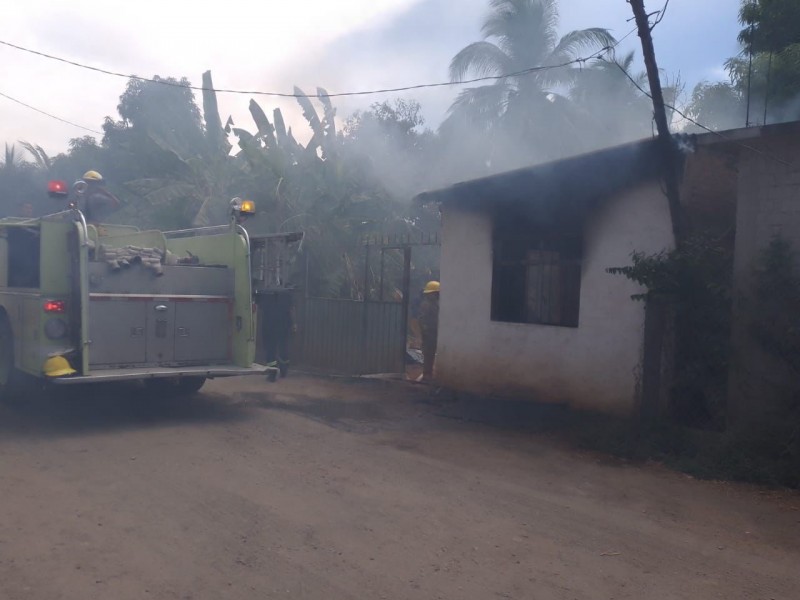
(700,125)
(577,61)
(47,114)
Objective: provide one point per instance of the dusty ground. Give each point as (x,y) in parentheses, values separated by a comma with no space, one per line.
(316,488)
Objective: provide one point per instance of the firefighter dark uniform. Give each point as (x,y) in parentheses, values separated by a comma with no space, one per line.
(98,202)
(277,326)
(429,325)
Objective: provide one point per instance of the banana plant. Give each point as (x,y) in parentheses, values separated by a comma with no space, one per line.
(324,129)
(216,139)
(266,130)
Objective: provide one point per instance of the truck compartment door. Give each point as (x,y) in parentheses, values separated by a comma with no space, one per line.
(202,331)
(117,330)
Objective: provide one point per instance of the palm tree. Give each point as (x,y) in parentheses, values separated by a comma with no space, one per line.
(519,35)
(614,109)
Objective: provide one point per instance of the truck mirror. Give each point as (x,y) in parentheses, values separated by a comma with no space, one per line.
(80,187)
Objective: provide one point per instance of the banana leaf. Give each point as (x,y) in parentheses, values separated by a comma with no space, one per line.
(313,120)
(181,164)
(280,127)
(265,129)
(329,118)
(215,134)
(245,137)
(294,147)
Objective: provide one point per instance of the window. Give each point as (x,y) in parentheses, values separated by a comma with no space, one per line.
(536,276)
(23,257)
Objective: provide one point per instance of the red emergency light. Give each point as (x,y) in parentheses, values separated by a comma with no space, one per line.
(55,306)
(57,188)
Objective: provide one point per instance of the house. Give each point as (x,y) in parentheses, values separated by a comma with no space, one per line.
(528,307)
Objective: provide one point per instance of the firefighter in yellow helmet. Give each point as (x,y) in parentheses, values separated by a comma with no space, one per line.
(429,325)
(98,203)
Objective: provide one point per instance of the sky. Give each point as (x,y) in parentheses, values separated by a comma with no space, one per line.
(342,46)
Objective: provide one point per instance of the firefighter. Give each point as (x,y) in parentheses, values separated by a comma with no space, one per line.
(429,324)
(278,324)
(98,202)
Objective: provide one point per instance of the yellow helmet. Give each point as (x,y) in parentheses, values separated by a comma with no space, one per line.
(57,366)
(92,176)
(431,287)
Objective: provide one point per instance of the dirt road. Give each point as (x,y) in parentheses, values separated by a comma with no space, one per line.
(315,488)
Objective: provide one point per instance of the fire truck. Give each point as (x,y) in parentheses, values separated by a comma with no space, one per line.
(86,303)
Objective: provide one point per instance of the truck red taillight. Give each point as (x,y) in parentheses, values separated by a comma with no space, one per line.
(55,306)
(57,188)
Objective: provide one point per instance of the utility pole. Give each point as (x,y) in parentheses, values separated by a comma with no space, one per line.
(668,150)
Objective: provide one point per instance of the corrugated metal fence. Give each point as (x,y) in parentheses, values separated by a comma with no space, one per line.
(350,336)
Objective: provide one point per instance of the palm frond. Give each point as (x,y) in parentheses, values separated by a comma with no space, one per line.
(12,159)
(480,105)
(627,61)
(571,45)
(43,161)
(604,79)
(523,28)
(480,59)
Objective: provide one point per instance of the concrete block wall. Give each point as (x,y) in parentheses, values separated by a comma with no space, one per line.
(768,205)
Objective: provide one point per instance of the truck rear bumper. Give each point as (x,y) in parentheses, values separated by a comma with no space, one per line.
(106,375)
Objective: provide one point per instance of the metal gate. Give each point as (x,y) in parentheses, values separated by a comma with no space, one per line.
(360,337)
(351,336)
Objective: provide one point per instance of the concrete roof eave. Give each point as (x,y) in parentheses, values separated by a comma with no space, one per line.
(570,183)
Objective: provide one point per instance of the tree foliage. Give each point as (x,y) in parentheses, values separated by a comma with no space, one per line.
(769,25)
(766,72)
(717,105)
(21,182)
(574,108)
(518,35)
(612,109)
(695,280)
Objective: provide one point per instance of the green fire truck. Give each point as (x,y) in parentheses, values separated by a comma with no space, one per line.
(83,302)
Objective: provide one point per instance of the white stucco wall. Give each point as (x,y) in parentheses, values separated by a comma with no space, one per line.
(594,366)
